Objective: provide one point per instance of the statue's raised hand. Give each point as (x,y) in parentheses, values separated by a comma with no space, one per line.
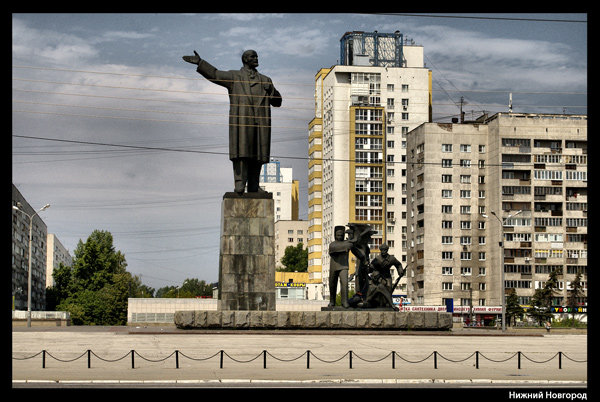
(195,59)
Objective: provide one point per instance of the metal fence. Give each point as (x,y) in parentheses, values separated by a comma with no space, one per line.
(350,355)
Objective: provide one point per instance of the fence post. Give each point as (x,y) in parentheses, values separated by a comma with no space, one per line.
(264,359)
(221,359)
(176,359)
(519,354)
(89,354)
(476,359)
(559,360)
(44,358)
(132,359)
(393,359)
(434,359)
(350,354)
(308,359)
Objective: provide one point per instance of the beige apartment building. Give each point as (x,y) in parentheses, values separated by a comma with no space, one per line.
(364,108)
(507,192)
(55,255)
(288,233)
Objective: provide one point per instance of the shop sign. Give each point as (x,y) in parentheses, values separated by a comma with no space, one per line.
(570,310)
(487,309)
(423,308)
(290,284)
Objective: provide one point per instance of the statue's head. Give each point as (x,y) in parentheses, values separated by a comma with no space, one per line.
(384,248)
(250,58)
(339,232)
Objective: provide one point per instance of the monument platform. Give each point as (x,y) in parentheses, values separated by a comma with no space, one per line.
(247,255)
(350,319)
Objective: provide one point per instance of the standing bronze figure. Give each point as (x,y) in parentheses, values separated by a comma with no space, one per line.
(251,96)
(338,266)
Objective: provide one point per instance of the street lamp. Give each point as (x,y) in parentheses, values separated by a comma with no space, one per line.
(18,208)
(501,243)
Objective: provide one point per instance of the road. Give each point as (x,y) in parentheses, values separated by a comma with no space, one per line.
(457,358)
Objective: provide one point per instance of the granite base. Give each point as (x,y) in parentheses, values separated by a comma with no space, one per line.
(356,320)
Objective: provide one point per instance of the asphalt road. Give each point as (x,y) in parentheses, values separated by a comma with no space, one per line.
(451,359)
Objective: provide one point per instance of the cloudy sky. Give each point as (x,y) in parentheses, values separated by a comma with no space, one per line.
(114,130)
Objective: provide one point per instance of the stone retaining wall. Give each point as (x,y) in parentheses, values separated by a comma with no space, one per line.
(424,320)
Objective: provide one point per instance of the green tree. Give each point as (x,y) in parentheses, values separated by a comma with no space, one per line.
(575,293)
(513,308)
(295,258)
(189,288)
(541,301)
(96,288)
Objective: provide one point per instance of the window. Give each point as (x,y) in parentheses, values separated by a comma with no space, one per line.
(446,193)
(446,255)
(465,162)
(465,271)
(447,163)
(465,224)
(446,239)
(446,285)
(446,178)
(446,224)
(446,147)
(465,148)
(404,87)
(465,255)
(446,270)
(465,179)
(446,209)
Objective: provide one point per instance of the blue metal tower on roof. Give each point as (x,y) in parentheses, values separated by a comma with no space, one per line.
(359,48)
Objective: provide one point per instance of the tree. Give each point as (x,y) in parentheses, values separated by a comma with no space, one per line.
(542,298)
(295,259)
(575,293)
(96,288)
(513,308)
(189,288)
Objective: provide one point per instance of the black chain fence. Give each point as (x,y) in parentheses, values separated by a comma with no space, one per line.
(307,355)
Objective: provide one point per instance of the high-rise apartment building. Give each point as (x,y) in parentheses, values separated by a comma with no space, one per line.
(278,181)
(506,193)
(20,255)
(364,108)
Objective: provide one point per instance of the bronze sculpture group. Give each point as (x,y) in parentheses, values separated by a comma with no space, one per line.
(374,285)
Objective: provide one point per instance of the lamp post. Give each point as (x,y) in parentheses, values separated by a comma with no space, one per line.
(501,243)
(18,208)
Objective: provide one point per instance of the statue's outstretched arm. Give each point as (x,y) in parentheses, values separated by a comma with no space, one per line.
(195,59)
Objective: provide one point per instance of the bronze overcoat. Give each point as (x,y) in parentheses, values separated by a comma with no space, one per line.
(249,110)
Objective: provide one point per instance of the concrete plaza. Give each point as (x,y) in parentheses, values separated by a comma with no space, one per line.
(447,357)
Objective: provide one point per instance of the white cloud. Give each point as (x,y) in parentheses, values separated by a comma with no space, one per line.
(46,47)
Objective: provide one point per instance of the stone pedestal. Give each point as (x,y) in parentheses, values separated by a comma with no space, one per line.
(313,320)
(247,256)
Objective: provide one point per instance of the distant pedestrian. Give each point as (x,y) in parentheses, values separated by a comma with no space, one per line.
(547,325)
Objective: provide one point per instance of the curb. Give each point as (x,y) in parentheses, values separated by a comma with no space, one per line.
(314,381)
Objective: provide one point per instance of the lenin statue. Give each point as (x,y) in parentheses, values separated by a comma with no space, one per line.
(251,96)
